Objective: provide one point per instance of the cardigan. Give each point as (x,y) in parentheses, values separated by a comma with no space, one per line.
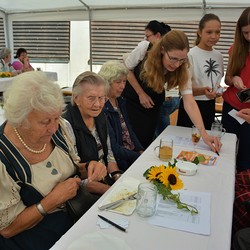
(124,157)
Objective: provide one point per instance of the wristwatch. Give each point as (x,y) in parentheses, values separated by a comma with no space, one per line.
(116,175)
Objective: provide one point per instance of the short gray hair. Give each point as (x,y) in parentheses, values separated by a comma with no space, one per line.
(4,53)
(31,91)
(112,70)
(87,77)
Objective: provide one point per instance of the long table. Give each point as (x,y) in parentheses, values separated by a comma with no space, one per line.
(218,180)
(6,82)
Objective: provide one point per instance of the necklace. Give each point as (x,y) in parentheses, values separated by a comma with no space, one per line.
(27,147)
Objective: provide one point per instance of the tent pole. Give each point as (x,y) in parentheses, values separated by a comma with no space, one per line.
(90,34)
(204,7)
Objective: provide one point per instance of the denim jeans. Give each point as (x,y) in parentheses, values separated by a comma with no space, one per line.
(167,108)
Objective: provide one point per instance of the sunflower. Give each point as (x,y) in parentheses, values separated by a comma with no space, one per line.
(154,172)
(6,74)
(169,177)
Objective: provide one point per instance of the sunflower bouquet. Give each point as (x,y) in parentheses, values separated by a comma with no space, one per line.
(166,179)
(6,74)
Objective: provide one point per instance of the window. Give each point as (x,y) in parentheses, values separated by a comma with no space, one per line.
(2,41)
(45,41)
(110,40)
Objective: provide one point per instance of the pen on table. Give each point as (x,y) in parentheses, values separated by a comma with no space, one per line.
(112,223)
(217,153)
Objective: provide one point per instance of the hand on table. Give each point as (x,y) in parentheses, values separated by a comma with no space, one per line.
(212,142)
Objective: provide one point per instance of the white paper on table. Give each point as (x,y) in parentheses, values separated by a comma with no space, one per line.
(187,142)
(233,113)
(169,216)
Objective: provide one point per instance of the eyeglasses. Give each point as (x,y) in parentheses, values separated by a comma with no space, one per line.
(147,36)
(175,60)
(93,99)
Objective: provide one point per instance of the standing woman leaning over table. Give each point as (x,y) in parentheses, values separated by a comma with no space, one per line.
(167,62)
(36,166)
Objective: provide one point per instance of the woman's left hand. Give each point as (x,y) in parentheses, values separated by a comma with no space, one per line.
(211,141)
(96,171)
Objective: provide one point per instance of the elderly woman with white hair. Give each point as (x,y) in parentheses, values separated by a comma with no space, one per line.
(37,162)
(86,116)
(125,144)
(5,65)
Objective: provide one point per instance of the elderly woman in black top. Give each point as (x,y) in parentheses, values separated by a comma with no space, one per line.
(89,122)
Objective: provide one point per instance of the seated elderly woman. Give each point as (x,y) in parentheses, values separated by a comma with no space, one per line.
(89,122)
(125,145)
(37,162)
(5,65)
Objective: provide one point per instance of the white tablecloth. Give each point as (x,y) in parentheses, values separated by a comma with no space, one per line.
(6,82)
(218,180)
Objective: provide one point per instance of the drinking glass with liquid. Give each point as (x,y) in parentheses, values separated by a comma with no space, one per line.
(165,149)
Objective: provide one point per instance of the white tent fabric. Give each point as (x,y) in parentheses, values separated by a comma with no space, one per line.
(119,9)
(114,10)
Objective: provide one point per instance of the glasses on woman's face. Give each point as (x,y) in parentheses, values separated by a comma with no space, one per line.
(93,99)
(147,36)
(175,60)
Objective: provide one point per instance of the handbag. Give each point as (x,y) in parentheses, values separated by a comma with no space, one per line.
(81,203)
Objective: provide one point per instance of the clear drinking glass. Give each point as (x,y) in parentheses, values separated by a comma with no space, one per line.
(196,135)
(146,199)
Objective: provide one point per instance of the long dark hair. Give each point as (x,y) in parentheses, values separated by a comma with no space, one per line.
(19,52)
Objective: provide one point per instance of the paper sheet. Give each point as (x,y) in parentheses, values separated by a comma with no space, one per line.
(168,215)
(233,113)
(187,142)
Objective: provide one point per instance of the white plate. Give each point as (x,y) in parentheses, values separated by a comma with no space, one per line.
(97,241)
(186,168)
(125,188)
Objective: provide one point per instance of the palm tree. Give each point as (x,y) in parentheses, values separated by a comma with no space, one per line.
(211,68)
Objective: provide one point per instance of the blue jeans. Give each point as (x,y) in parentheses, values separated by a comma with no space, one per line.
(167,108)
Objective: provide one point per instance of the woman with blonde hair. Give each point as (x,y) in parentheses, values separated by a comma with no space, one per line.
(167,63)
(125,145)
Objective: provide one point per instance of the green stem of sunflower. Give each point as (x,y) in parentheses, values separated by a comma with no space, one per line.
(167,194)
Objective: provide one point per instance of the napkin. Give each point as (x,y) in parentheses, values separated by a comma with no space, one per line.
(126,187)
(98,241)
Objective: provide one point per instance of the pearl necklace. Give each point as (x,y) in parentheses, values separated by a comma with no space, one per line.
(27,147)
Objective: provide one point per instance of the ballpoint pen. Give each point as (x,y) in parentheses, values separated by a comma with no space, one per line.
(112,223)
(217,153)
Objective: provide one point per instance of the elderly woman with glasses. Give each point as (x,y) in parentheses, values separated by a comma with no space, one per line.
(86,116)
(167,63)
(125,145)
